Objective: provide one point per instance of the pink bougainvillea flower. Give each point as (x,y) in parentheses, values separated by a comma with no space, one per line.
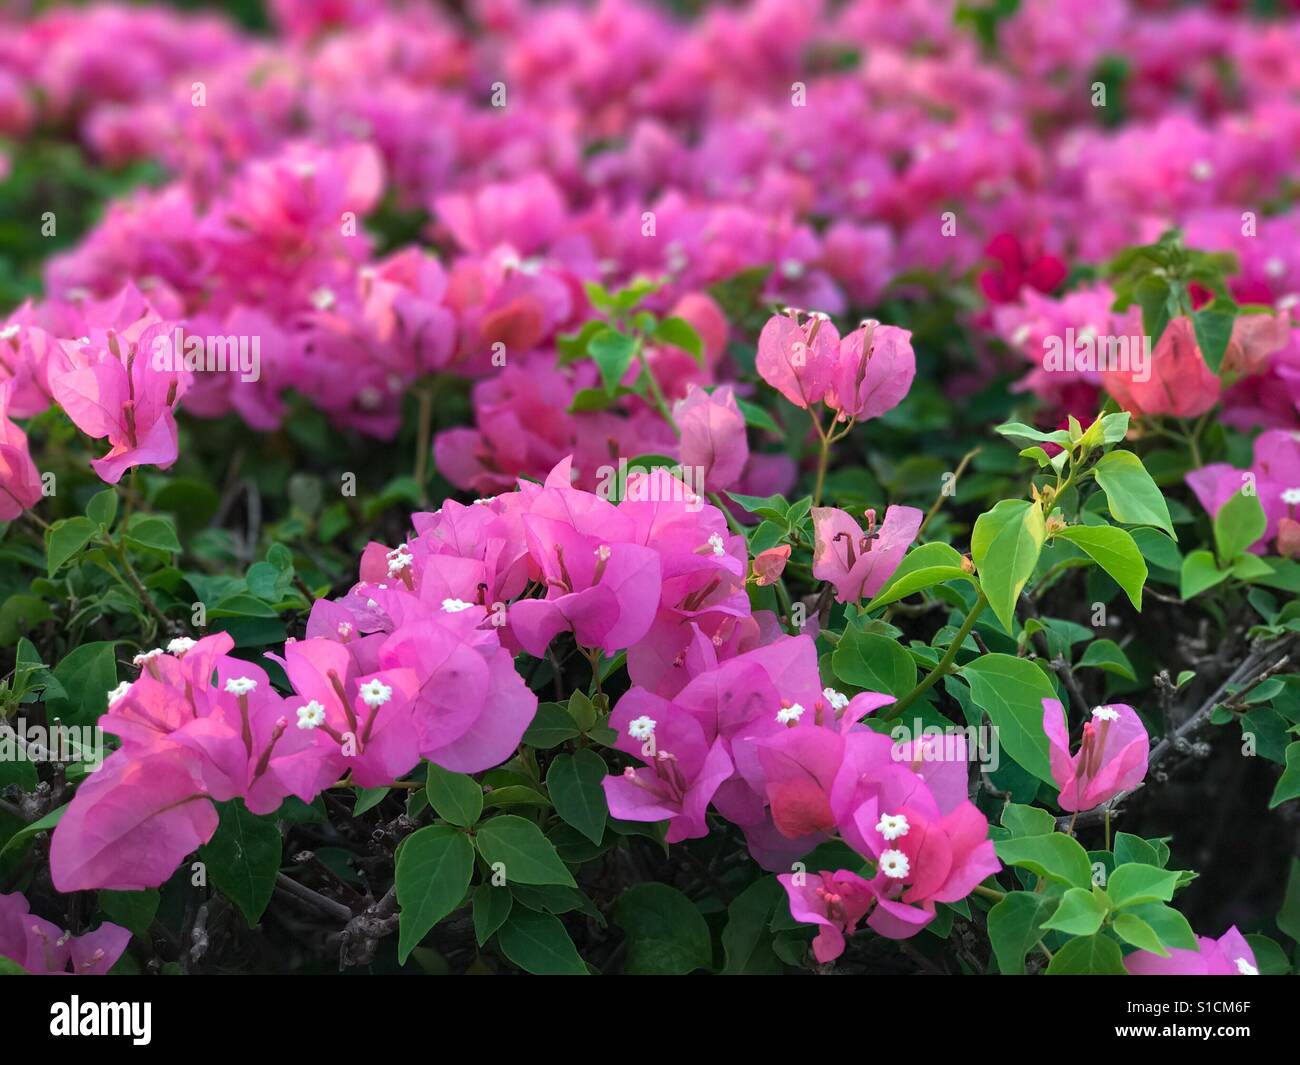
(131,822)
(120,390)
(448,655)
(683,769)
(712,436)
(836,901)
(44,950)
(1016,266)
(798,359)
(1111,758)
(1229,955)
(1274,478)
(770,564)
(20,481)
(600,584)
(873,371)
(1177,381)
(858,564)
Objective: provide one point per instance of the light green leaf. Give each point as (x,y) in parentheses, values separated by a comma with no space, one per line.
(1056,856)
(1080,913)
(1011,691)
(1015,925)
(873,662)
(1114,551)
(1005,545)
(528,857)
(1131,494)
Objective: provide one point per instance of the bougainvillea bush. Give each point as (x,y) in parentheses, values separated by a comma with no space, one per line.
(785,487)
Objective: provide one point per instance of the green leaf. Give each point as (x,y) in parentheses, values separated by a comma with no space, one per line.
(573,781)
(1114,551)
(454,797)
(243,858)
(873,662)
(1133,884)
(64,539)
(551,726)
(1020,431)
(756,417)
(1005,545)
(1057,857)
(1170,925)
(1011,691)
(916,581)
(1213,328)
(134,910)
(774,507)
(1014,926)
(679,333)
(1238,524)
(1288,785)
(747,939)
(1096,955)
(667,936)
(434,866)
(1131,848)
(16,845)
(528,857)
(1134,930)
(1200,572)
(612,352)
(102,508)
(1131,494)
(1080,913)
(538,944)
(1106,654)
(1027,820)
(87,675)
(156,534)
(491,908)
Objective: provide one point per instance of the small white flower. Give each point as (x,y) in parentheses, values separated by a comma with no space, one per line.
(375,693)
(10,331)
(1291,497)
(240,685)
(837,700)
(1106,713)
(1245,968)
(793,269)
(786,714)
(372,604)
(344,629)
(369,398)
(1202,170)
(891,826)
(118,692)
(398,563)
(144,657)
(641,728)
(718,544)
(455,606)
(603,552)
(1021,334)
(895,864)
(311,716)
(482,502)
(180,645)
(1275,267)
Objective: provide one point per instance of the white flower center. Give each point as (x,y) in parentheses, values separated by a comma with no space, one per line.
(118,692)
(1106,713)
(837,700)
(455,606)
(891,826)
(241,685)
(1291,497)
(311,716)
(1245,968)
(376,693)
(641,728)
(718,544)
(894,864)
(180,645)
(144,657)
(786,714)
